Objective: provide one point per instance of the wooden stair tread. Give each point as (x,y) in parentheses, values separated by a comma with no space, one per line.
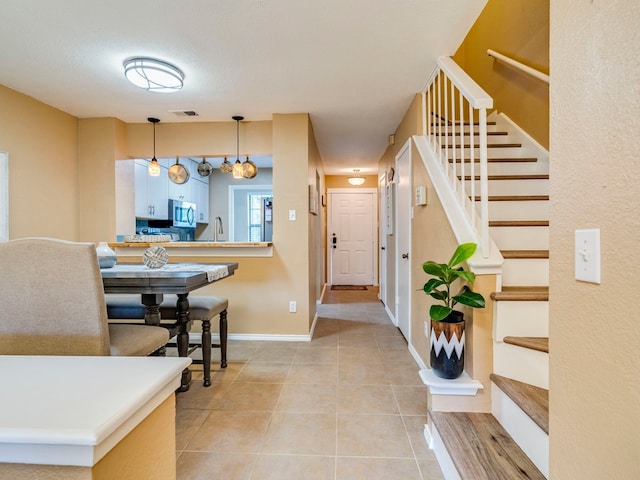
(519,223)
(540,344)
(457,124)
(466,134)
(510,177)
(505,160)
(525,253)
(534,401)
(522,294)
(515,198)
(481,449)
(489,145)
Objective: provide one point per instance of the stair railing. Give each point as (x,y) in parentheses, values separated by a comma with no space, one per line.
(453,107)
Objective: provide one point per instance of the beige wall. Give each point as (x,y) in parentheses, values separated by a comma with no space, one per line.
(62,184)
(42,144)
(594,329)
(520,30)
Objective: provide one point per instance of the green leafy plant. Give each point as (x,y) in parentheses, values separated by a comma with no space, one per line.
(447,273)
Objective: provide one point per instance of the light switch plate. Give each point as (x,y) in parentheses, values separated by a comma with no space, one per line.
(587,255)
(292,214)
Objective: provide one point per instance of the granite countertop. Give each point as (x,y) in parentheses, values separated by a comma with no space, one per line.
(192,244)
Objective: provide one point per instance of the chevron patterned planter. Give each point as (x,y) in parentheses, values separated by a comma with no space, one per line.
(446,342)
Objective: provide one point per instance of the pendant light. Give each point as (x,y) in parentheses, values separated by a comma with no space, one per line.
(154,166)
(226,167)
(246,169)
(356,179)
(238,170)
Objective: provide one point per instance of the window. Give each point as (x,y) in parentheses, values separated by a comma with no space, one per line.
(250,213)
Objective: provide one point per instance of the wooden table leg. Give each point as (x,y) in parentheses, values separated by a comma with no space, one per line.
(182,339)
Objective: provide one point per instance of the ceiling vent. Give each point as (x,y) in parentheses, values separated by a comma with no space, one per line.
(184,113)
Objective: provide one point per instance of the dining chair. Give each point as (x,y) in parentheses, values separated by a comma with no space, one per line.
(53,303)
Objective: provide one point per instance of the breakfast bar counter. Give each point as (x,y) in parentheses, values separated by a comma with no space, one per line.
(87,417)
(196,249)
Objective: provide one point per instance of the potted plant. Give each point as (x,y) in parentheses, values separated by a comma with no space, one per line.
(446,339)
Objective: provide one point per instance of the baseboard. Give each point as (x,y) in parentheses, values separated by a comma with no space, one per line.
(313,325)
(196,337)
(416,357)
(391,316)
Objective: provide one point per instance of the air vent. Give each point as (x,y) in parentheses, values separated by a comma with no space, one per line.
(184,113)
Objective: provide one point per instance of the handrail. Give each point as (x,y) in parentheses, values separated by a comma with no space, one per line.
(453,106)
(520,66)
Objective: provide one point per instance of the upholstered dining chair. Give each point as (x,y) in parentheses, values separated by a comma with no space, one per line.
(52,303)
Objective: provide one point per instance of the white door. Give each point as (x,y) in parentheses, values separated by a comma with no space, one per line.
(403,240)
(351,238)
(382,240)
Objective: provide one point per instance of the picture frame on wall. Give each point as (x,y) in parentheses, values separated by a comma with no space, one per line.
(313,200)
(389,214)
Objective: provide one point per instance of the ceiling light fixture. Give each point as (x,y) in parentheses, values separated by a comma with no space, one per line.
(356,179)
(154,166)
(153,75)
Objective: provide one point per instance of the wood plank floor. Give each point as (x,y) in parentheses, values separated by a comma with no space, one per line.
(481,449)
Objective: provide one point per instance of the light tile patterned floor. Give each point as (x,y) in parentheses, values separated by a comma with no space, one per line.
(347,405)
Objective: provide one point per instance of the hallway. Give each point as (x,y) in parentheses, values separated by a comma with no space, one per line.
(347,405)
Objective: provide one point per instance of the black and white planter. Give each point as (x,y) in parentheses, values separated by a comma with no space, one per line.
(446,343)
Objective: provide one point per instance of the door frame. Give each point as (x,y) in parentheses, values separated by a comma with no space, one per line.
(4,196)
(382,240)
(403,299)
(374,228)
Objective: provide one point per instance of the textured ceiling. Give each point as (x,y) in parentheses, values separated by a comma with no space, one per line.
(353,65)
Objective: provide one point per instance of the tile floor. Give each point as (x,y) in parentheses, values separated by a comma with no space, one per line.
(347,405)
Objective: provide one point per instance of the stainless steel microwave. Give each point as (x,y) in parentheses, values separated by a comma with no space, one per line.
(182,214)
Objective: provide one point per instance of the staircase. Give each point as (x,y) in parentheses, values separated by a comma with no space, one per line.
(513,441)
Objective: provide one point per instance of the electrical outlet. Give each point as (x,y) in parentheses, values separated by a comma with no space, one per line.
(292,215)
(292,306)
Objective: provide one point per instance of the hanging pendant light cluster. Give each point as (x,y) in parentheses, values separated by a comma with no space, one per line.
(154,166)
(246,169)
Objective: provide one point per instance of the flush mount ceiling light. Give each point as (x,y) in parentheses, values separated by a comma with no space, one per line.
(154,166)
(356,179)
(246,169)
(153,75)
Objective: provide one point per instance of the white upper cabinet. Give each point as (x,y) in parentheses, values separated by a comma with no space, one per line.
(151,193)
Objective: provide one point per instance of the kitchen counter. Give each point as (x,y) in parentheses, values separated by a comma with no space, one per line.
(197,249)
(73,411)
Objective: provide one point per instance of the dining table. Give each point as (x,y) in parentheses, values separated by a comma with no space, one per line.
(173,278)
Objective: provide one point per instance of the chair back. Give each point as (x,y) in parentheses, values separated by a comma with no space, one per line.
(51,299)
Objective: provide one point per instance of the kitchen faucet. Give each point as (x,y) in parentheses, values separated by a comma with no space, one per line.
(217,228)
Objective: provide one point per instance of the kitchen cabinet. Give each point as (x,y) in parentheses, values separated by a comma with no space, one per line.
(201,191)
(151,193)
(183,192)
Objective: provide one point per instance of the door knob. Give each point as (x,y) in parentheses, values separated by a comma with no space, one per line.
(382,248)
(405,255)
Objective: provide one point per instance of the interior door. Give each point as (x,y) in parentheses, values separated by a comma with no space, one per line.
(403,241)
(351,238)
(382,239)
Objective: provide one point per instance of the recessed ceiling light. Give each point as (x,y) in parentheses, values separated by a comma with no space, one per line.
(153,75)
